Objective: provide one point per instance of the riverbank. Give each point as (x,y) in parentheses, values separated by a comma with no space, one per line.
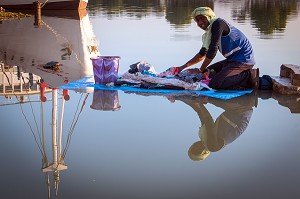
(4,15)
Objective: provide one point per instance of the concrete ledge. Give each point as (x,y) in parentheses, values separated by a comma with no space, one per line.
(283,85)
(291,71)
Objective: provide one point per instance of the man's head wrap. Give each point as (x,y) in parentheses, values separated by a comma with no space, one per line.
(205,11)
(211,17)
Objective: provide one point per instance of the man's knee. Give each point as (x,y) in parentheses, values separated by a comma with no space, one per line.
(215,84)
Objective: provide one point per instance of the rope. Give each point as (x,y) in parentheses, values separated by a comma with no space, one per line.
(22,110)
(45,159)
(74,122)
(68,45)
(34,118)
(14,103)
(44,4)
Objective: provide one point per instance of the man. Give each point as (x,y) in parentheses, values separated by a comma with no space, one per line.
(235,72)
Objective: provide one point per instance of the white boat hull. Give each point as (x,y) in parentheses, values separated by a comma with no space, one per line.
(71,42)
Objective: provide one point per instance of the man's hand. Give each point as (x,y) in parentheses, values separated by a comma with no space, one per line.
(180,68)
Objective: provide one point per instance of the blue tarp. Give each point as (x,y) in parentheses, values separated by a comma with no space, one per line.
(87,82)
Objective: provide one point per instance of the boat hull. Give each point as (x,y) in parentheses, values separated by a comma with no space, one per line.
(69,41)
(50,4)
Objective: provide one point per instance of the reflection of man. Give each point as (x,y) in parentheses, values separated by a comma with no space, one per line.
(214,135)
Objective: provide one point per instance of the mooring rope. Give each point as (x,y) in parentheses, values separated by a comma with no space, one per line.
(67,42)
(74,122)
(44,4)
(23,113)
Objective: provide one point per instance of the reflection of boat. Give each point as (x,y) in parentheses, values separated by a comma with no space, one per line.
(14,83)
(69,41)
(57,163)
(53,163)
(48,4)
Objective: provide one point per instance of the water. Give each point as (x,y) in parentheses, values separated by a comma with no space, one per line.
(142,150)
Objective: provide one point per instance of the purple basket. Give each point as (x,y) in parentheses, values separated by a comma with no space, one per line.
(105,69)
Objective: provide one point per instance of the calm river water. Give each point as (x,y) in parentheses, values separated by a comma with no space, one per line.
(145,145)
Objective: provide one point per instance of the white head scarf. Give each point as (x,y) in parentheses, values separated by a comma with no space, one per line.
(211,17)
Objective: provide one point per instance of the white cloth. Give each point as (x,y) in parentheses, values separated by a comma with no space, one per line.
(139,77)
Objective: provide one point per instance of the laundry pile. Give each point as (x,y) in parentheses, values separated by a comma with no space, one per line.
(143,78)
(143,75)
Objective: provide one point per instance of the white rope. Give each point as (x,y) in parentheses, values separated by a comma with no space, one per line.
(22,110)
(74,122)
(44,3)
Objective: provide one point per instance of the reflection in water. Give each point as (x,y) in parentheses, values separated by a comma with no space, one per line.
(292,102)
(65,45)
(20,88)
(59,49)
(54,155)
(59,153)
(214,135)
(267,16)
(39,133)
(132,8)
(14,83)
(105,100)
(57,163)
(179,12)
(230,124)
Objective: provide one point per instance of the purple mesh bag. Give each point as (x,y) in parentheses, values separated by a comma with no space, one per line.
(105,69)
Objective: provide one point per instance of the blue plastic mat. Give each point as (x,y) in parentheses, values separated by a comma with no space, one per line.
(88,82)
